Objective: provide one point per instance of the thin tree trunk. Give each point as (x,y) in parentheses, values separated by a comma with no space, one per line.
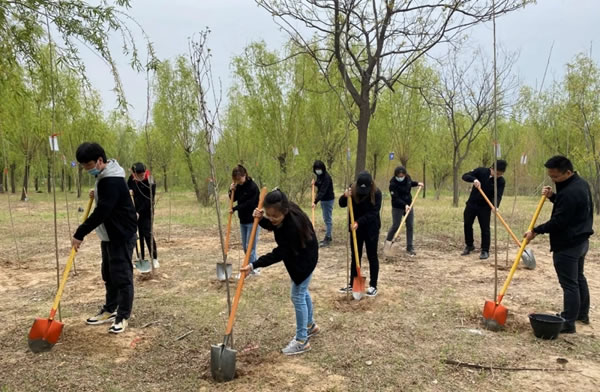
(1,181)
(374,166)
(62,178)
(69,181)
(454,181)
(165,179)
(188,159)
(79,178)
(36,183)
(25,189)
(424,179)
(49,174)
(13,184)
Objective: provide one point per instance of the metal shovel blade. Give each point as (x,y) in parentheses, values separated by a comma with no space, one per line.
(44,334)
(143,266)
(528,259)
(221,271)
(222,362)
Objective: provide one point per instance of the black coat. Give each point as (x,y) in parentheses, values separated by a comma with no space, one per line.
(400,192)
(299,262)
(324,184)
(246,195)
(487,185)
(141,195)
(572,214)
(366,214)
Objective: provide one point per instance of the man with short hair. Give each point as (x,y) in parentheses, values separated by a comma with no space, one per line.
(115,222)
(570,227)
(477,207)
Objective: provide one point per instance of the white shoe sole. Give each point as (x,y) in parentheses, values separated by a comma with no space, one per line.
(297,352)
(100,322)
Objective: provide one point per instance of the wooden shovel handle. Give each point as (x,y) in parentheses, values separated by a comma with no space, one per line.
(65,276)
(228,235)
(521,250)
(240,285)
(406,215)
(354,244)
(514,237)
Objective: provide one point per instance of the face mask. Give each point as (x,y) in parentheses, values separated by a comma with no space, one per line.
(94,172)
(400,179)
(319,172)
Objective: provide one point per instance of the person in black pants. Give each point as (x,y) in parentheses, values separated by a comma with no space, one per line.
(366,203)
(477,207)
(570,227)
(115,222)
(400,187)
(325,195)
(144,191)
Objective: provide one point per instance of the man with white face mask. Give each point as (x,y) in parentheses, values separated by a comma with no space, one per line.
(115,222)
(400,188)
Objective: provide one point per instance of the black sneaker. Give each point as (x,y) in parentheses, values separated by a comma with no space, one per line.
(344,290)
(411,252)
(372,291)
(467,250)
(326,242)
(583,319)
(568,328)
(484,255)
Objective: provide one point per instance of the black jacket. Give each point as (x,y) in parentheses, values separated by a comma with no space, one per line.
(299,262)
(572,214)
(324,183)
(141,195)
(487,185)
(246,195)
(400,192)
(114,209)
(365,213)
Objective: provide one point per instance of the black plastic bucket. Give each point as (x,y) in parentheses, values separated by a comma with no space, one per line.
(546,326)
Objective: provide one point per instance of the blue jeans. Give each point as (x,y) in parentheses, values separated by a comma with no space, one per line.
(304,308)
(327,208)
(246,230)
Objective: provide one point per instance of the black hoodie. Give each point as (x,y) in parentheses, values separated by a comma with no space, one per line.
(487,186)
(324,183)
(572,214)
(400,192)
(246,195)
(366,214)
(141,195)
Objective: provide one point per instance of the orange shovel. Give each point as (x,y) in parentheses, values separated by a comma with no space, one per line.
(45,333)
(494,314)
(358,283)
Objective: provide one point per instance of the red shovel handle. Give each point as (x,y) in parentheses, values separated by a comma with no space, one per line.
(240,285)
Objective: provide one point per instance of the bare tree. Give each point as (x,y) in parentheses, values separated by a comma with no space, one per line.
(371,43)
(465,95)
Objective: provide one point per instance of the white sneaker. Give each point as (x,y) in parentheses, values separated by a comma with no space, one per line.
(371,291)
(101,318)
(155,263)
(118,327)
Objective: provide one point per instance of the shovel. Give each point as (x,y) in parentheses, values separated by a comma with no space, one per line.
(143,266)
(527,257)
(494,314)
(222,356)
(224,269)
(45,333)
(406,215)
(358,283)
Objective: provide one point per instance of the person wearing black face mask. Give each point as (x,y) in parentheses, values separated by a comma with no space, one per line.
(400,187)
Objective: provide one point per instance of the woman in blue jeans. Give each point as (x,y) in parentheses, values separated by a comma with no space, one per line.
(298,248)
(246,195)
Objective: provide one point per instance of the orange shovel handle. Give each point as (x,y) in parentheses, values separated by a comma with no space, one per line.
(354,244)
(240,285)
(514,237)
(228,235)
(65,275)
(521,250)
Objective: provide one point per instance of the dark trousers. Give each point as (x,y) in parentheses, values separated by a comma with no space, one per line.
(397,215)
(568,264)
(370,240)
(117,273)
(483,216)
(145,228)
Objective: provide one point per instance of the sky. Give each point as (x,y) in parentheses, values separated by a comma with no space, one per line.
(568,26)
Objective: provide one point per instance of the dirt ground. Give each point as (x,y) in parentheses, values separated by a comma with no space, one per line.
(428,311)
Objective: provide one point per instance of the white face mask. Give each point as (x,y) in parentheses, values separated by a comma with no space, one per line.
(319,172)
(400,179)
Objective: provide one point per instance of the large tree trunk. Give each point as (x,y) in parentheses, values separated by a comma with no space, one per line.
(361,145)
(36,183)
(25,189)
(188,159)
(13,184)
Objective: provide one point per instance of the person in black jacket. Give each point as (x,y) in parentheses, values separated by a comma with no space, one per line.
(570,227)
(477,207)
(247,195)
(115,223)
(366,203)
(400,187)
(144,190)
(297,247)
(325,195)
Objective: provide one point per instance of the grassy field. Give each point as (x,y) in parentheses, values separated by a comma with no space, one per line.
(428,311)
